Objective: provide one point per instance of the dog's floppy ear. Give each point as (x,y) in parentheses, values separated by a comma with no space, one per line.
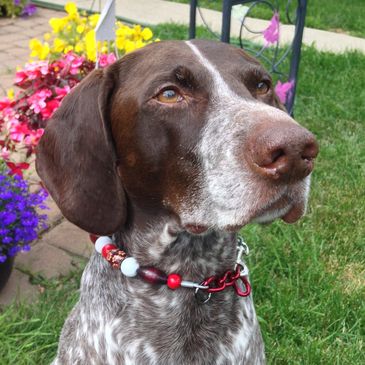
(76,158)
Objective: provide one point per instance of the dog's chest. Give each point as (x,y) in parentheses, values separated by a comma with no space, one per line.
(152,325)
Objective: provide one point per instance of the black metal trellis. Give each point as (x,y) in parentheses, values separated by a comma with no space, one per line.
(277,56)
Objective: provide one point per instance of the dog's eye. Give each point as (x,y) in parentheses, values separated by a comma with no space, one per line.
(169,96)
(262,87)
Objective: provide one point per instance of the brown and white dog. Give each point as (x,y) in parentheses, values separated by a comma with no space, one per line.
(172,149)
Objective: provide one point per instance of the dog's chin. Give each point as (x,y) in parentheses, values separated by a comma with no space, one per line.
(284,208)
(289,214)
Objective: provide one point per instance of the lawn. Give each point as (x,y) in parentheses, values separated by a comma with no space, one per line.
(308,278)
(334,15)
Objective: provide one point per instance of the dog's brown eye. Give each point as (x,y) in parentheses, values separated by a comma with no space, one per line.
(262,87)
(169,96)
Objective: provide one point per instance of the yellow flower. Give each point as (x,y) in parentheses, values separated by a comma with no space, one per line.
(58,45)
(129,46)
(90,45)
(147,34)
(10,94)
(71,9)
(35,44)
(47,36)
(57,24)
(68,49)
(93,20)
(139,44)
(120,42)
(80,28)
(38,49)
(79,47)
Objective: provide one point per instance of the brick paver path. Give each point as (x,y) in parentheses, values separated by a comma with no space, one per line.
(63,246)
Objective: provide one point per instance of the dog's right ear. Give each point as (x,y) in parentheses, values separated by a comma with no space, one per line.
(76,158)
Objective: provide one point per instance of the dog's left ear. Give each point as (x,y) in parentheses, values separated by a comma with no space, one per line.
(76,158)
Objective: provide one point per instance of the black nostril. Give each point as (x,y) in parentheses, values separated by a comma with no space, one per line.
(275,164)
(276,154)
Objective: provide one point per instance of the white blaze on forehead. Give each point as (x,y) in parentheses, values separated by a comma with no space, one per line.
(219,83)
(224,180)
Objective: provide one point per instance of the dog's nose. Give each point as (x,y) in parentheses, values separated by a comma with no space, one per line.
(282,150)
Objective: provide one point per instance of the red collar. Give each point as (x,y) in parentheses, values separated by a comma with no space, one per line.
(118,259)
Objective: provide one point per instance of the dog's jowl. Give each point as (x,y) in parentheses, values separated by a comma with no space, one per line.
(170,151)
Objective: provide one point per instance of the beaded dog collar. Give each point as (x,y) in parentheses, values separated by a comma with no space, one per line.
(129,267)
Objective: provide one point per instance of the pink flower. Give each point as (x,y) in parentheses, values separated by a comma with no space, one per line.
(37,101)
(106,59)
(33,138)
(282,90)
(72,63)
(49,108)
(62,91)
(271,33)
(31,71)
(18,130)
(6,105)
(4,153)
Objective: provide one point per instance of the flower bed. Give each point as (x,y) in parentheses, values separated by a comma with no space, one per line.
(60,62)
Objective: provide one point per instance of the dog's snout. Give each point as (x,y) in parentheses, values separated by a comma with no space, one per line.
(282,151)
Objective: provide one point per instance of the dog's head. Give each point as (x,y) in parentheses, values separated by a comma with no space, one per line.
(192,129)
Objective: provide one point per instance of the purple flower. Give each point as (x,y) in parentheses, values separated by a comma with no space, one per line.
(271,33)
(7,240)
(282,90)
(16,2)
(8,218)
(20,221)
(29,10)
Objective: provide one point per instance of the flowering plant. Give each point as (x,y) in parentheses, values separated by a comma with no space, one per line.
(60,64)
(43,85)
(19,220)
(271,37)
(76,32)
(17,7)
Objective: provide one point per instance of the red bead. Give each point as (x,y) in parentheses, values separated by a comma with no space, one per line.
(108,248)
(174,281)
(93,237)
(152,275)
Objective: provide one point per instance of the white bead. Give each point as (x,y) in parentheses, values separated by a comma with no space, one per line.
(101,242)
(129,267)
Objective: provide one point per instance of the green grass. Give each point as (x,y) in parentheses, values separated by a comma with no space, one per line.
(29,332)
(334,15)
(308,278)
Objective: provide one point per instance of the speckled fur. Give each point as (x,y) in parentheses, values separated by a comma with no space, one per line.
(119,320)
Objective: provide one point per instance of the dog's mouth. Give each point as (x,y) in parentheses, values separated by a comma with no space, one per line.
(289,205)
(289,212)
(196,229)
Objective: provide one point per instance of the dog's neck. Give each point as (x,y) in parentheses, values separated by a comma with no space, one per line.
(166,246)
(139,313)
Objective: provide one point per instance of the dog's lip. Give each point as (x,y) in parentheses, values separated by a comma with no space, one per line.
(284,208)
(195,228)
(294,213)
